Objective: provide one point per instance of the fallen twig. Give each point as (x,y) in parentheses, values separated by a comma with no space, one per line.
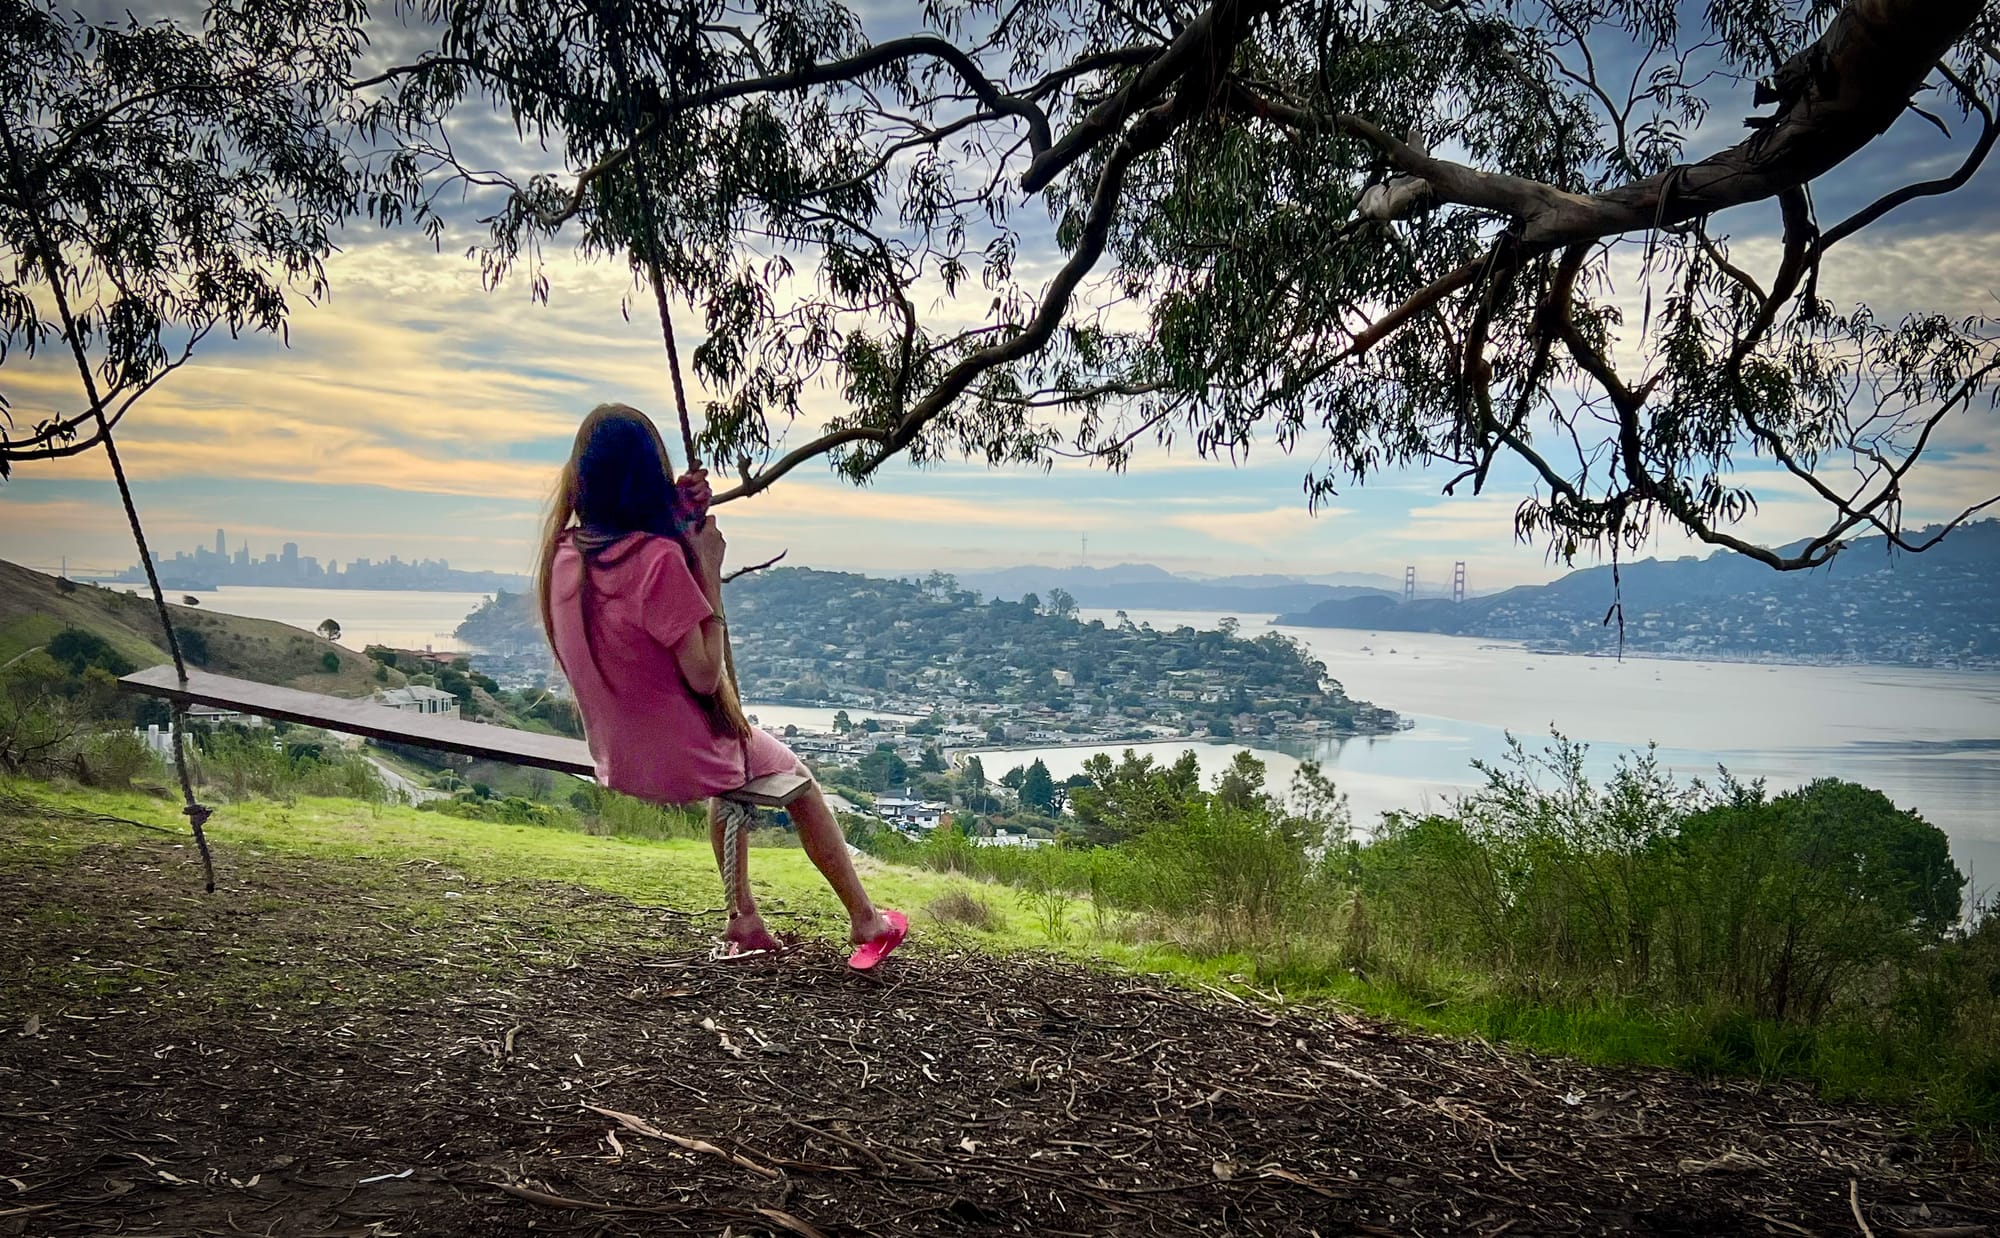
(1854,1202)
(640,1126)
(585,1205)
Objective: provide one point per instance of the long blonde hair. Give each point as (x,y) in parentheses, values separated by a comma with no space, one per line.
(619,481)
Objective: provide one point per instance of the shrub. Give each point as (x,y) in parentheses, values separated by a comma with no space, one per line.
(76,649)
(113,759)
(506,810)
(40,717)
(245,761)
(193,643)
(961,906)
(1786,905)
(1232,867)
(330,662)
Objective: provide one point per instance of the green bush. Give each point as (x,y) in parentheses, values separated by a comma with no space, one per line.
(115,759)
(505,810)
(77,649)
(245,761)
(193,642)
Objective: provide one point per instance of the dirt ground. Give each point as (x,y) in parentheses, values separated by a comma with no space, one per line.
(377,1050)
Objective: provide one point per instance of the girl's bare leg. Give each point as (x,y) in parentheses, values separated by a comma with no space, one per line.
(826,847)
(746,931)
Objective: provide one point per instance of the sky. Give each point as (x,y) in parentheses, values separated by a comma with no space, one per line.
(415,413)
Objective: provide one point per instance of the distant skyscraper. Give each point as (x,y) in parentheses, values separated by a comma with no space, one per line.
(220,548)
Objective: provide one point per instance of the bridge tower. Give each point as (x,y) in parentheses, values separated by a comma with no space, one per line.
(1458,581)
(1410,583)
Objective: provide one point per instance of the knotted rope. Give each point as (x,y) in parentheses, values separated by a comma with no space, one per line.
(735,815)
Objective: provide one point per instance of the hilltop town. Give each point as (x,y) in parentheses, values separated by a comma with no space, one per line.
(984,672)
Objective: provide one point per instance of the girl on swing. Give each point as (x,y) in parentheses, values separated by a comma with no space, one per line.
(630,585)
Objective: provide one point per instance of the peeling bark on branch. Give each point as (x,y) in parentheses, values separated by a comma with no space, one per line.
(1834,98)
(1202,50)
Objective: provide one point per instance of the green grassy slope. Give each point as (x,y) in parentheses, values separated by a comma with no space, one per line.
(34,608)
(677,873)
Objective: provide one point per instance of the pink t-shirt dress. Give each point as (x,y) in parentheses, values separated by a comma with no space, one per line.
(647,732)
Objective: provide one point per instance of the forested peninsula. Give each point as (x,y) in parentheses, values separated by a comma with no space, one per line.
(1026,668)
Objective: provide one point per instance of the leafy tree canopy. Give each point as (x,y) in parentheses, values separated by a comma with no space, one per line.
(1377,233)
(164,181)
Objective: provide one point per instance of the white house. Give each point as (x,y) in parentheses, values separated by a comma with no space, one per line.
(1012,840)
(212,714)
(418,699)
(910,814)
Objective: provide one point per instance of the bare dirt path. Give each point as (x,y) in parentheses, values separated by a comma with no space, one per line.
(363,1049)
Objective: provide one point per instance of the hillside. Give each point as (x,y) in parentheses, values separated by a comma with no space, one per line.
(1142,586)
(811,637)
(397,1023)
(1939,608)
(34,608)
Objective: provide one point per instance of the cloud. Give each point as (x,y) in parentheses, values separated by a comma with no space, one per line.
(1476,519)
(1270,527)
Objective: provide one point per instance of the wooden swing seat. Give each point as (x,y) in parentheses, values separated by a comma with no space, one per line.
(441,732)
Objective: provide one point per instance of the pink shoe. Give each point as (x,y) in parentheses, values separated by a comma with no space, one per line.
(871,953)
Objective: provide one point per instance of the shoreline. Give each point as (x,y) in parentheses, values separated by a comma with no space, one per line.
(1740,658)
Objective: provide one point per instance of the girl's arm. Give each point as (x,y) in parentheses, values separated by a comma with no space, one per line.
(700,653)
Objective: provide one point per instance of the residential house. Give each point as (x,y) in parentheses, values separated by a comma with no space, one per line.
(418,699)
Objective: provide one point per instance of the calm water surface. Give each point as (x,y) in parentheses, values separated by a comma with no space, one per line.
(405,618)
(1930,740)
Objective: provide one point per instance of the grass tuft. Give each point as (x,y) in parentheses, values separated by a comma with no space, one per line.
(960,906)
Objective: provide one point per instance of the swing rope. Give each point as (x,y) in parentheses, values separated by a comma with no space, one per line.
(734,815)
(196,812)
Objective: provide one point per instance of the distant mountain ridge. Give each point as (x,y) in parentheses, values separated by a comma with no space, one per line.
(1938,608)
(1144,586)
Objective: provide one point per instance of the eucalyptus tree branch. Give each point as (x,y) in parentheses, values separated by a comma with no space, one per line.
(763,478)
(1797,214)
(1061,398)
(430,63)
(932,138)
(1863,70)
(1891,492)
(1117,58)
(1205,44)
(870,60)
(1988,132)
(741,572)
(63,431)
(1852,512)
(1148,133)
(1722,263)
